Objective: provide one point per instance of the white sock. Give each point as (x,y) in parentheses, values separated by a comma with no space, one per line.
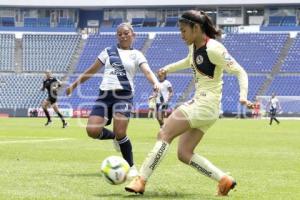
(153,159)
(205,167)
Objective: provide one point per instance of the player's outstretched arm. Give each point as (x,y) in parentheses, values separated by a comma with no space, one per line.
(85,76)
(150,76)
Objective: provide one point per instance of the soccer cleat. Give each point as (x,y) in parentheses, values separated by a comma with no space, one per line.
(225,185)
(48,123)
(65,124)
(116,145)
(132,173)
(137,185)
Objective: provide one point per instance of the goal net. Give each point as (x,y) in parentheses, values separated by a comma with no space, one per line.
(289,105)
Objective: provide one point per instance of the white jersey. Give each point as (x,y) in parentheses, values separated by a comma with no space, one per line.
(131,60)
(164,91)
(273,103)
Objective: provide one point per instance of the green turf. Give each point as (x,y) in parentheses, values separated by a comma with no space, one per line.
(39,162)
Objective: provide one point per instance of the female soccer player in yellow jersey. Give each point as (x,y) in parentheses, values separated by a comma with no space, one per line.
(207,58)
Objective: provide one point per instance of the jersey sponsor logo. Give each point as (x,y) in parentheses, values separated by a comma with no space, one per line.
(117,65)
(118,72)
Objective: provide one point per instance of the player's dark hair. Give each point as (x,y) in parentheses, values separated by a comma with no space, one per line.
(193,17)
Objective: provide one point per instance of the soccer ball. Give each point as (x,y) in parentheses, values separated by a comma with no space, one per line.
(114,170)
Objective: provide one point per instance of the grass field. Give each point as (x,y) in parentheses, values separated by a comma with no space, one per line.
(38,162)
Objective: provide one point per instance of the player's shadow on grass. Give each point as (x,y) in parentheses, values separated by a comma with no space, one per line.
(83,175)
(152,195)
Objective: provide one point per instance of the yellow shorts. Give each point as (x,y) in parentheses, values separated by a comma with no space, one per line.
(152,105)
(200,114)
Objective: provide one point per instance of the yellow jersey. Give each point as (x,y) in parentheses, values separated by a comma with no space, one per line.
(208,63)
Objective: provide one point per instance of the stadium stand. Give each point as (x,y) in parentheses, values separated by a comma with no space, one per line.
(165,49)
(230,99)
(116,22)
(37,22)
(7,48)
(150,22)
(54,52)
(292,61)
(256,52)
(171,21)
(286,85)
(44,51)
(65,22)
(137,22)
(21,90)
(7,21)
(84,96)
(282,21)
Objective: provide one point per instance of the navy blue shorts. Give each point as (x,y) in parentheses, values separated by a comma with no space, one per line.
(273,111)
(110,102)
(162,107)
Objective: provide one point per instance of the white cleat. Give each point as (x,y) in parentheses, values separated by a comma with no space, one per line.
(116,145)
(133,172)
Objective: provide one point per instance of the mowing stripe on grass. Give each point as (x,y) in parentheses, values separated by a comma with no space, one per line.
(35,141)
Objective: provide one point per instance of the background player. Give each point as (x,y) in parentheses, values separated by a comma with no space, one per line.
(152,105)
(51,84)
(273,106)
(163,98)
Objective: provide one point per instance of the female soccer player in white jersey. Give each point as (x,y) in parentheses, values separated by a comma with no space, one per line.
(116,91)
(163,98)
(273,106)
(207,58)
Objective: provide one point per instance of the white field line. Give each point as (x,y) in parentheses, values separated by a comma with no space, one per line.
(34,140)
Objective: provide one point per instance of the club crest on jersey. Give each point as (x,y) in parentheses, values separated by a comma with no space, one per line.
(132,56)
(199,59)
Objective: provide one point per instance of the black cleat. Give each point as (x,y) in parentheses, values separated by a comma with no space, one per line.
(48,123)
(65,124)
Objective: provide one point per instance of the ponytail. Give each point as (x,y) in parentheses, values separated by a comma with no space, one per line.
(193,17)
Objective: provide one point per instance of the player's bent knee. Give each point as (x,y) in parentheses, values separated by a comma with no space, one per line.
(93,132)
(184,156)
(44,105)
(165,136)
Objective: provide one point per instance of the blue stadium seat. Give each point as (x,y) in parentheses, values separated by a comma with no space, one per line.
(7,52)
(53,52)
(261,50)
